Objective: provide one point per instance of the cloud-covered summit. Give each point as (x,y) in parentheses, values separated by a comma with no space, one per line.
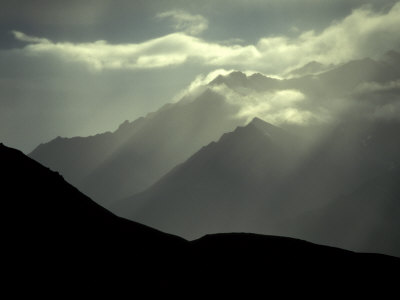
(364,89)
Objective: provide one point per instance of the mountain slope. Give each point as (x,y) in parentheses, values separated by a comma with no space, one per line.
(260,253)
(52,227)
(220,188)
(58,212)
(119,164)
(371,211)
(261,179)
(57,240)
(78,157)
(116,165)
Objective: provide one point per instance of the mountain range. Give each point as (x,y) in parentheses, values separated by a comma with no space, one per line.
(57,240)
(133,157)
(273,186)
(138,153)
(201,166)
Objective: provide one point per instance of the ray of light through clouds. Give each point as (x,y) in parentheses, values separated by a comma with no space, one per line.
(88,84)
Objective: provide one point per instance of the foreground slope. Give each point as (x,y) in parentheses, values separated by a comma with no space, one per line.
(57,238)
(53,227)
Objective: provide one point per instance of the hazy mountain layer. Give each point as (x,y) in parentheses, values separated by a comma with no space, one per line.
(220,188)
(262,179)
(114,165)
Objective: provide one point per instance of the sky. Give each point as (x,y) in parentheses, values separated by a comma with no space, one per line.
(71,68)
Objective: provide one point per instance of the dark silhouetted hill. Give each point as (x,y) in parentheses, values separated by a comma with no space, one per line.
(284,261)
(56,236)
(58,241)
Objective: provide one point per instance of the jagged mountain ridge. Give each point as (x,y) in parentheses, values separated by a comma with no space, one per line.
(129,160)
(141,152)
(82,155)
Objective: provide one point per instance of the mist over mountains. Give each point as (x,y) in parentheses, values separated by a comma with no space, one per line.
(139,153)
(273,186)
(314,156)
